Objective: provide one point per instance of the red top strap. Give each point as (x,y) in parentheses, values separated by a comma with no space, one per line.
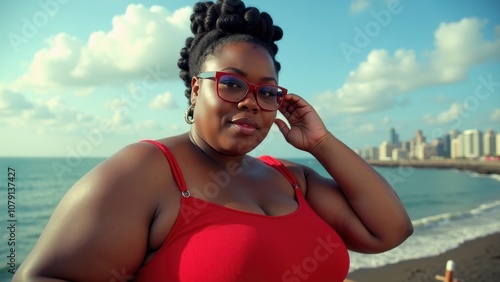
(281,168)
(174,166)
(179,178)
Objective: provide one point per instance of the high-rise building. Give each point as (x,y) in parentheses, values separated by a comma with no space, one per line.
(415,143)
(405,145)
(498,144)
(399,154)
(419,137)
(472,143)
(450,148)
(370,153)
(489,143)
(457,150)
(425,151)
(444,147)
(385,151)
(393,137)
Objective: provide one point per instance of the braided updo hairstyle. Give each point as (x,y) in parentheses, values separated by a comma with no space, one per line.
(215,25)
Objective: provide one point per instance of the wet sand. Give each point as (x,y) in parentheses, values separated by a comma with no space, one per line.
(475,261)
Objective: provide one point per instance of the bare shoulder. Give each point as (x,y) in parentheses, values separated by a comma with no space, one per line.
(138,169)
(136,162)
(322,193)
(102,224)
(299,171)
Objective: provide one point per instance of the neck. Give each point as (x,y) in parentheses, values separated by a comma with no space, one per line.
(212,155)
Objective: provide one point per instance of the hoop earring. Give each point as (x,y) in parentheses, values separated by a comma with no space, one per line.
(189,114)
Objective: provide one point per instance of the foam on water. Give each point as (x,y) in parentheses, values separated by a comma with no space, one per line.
(437,234)
(444,218)
(495,176)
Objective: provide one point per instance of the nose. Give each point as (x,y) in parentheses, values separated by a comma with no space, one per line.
(249,102)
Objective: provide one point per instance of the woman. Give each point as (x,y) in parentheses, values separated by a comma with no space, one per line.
(196,207)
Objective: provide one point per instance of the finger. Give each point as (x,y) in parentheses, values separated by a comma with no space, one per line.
(295,99)
(283,127)
(293,104)
(286,110)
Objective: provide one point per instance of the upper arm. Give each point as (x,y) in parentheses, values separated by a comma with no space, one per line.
(327,200)
(371,219)
(100,228)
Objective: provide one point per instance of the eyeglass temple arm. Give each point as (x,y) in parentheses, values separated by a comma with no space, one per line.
(207,74)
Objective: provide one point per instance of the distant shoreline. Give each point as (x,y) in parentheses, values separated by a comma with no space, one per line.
(482,167)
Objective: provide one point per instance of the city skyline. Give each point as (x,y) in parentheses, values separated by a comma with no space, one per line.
(454,144)
(439,131)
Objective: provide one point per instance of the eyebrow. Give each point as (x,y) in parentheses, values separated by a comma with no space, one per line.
(242,73)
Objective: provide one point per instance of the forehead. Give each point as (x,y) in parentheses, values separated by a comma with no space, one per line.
(245,56)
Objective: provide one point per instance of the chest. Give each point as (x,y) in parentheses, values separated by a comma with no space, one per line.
(213,243)
(264,192)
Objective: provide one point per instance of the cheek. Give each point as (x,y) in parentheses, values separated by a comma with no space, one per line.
(211,112)
(207,104)
(268,122)
(269,118)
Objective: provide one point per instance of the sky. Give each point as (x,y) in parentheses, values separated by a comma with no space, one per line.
(87,78)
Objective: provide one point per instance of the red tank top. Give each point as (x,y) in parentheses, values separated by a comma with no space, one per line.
(213,243)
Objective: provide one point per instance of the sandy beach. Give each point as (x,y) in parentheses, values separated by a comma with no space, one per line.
(476,261)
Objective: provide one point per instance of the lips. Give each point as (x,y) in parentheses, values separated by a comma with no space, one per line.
(246,122)
(245,126)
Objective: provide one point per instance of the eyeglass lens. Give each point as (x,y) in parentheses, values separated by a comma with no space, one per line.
(234,89)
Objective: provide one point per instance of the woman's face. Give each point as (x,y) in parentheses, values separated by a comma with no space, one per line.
(234,128)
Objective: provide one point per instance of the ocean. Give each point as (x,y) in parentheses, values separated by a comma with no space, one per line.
(447,207)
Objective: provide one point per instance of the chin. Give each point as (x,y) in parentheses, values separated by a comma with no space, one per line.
(238,144)
(242,147)
(240,150)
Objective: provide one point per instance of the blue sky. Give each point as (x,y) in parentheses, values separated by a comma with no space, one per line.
(86,78)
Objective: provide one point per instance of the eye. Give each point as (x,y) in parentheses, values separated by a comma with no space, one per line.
(270,92)
(229,81)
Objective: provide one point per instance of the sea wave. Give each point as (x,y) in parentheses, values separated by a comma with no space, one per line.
(445,218)
(481,175)
(495,176)
(437,234)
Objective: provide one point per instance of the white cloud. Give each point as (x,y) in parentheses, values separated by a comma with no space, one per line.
(358,6)
(56,115)
(495,116)
(450,115)
(115,104)
(461,45)
(119,119)
(142,42)
(12,102)
(83,92)
(163,101)
(377,82)
(122,124)
(147,125)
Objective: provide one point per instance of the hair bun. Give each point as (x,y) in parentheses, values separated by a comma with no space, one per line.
(231,6)
(231,23)
(212,22)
